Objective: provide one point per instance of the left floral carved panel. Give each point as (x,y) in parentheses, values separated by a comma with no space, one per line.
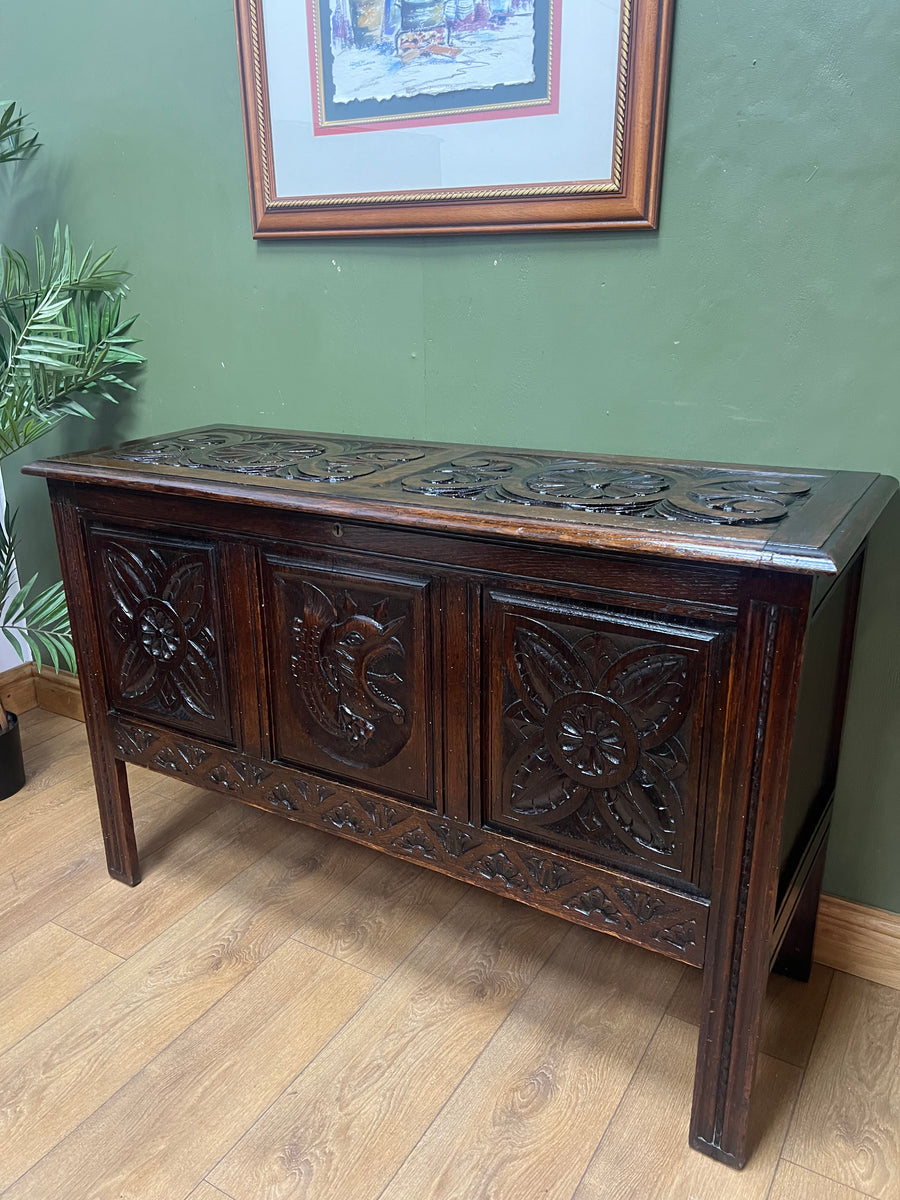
(164,650)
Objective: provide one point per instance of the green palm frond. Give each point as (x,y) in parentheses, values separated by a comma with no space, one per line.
(35,624)
(17,140)
(62,337)
(39,624)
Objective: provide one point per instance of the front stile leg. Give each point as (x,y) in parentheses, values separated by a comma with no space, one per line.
(116,820)
(745,880)
(110,778)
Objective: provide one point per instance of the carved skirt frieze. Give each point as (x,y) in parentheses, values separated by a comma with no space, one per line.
(159,599)
(645,913)
(595,727)
(349,662)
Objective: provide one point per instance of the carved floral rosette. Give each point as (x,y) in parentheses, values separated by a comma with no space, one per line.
(596,729)
(161,612)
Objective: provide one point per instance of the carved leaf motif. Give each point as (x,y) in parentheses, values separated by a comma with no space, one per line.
(547,874)
(192,755)
(185,591)
(381,815)
(343,817)
(669,759)
(537,788)
(280,796)
(643,807)
(454,840)
(500,866)
(596,901)
(197,683)
(130,580)
(416,841)
(522,722)
(644,906)
(680,936)
(138,673)
(544,667)
(651,684)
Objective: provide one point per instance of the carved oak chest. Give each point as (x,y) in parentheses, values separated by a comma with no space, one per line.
(612,689)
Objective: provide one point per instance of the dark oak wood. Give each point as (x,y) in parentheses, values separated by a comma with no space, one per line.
(612,689)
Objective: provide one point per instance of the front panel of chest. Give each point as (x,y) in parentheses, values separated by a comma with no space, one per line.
(164,632)
(349,649)
(600,730)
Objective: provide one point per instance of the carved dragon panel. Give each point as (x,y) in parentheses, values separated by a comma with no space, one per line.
(349,665)
(164,651)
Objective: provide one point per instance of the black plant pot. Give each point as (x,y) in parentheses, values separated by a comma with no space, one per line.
(12,765)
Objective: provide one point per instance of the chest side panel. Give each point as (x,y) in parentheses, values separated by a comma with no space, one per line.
(163,628)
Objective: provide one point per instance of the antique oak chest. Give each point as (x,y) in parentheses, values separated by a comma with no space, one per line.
(612,689)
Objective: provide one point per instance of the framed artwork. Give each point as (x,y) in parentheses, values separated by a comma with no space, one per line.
(383,117)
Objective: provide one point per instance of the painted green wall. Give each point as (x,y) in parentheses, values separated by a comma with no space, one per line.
(760,324)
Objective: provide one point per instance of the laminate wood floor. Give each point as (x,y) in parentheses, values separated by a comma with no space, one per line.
(276,1014)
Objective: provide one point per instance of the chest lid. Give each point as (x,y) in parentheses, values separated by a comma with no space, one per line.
(801,520)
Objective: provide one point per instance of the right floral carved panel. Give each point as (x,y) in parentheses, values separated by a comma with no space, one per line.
(596,731)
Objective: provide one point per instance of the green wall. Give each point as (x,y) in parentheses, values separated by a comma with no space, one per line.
(759,324)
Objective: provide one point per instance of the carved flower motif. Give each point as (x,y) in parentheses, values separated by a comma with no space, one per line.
(598,729)
(158,613)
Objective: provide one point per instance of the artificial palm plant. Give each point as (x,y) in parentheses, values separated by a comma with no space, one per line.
(62,336)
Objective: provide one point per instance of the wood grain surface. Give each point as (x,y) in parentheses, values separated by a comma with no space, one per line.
(388,1073)
(381,915)
(40,975)
(89,1049)
(794,1183)
(644,1150)
(847,1124)
(177,877)
(159,1135)
(553,1074)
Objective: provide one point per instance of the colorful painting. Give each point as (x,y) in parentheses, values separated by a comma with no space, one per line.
(380,63)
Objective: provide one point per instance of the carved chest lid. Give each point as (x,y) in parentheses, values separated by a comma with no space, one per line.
(714,512)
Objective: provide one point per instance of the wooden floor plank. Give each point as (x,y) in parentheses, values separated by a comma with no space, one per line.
(551,1077)
(69,864)
(58,746)
(847,1123)
(379,917)
(37,725)
(644,1151)
(41,974)
(80,1057)
(386,1075)
(206,1191)
(794,1183)
(791,1012)
(161,1133)
(176,878)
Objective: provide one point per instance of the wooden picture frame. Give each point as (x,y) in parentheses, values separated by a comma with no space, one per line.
(343,139)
